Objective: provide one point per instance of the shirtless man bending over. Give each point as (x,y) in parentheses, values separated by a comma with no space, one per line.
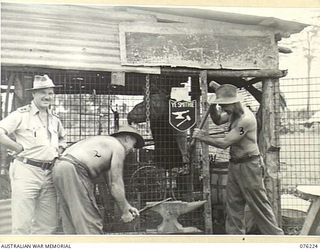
(84,161)
(245,178)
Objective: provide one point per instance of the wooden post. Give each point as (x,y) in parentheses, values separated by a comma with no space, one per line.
(194,157)
(21,96)
(3,151)
(205,159)
(269,142)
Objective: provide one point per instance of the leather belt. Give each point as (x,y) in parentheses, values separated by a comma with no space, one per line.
(44,165)
(244,159)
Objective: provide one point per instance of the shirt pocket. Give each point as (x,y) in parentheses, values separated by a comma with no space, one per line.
(38,133)
(28,135)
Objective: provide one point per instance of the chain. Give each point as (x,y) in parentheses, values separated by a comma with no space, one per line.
(147,94)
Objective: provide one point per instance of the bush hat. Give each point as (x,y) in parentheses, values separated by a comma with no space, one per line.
(126,129)
(42,82)
(226,94)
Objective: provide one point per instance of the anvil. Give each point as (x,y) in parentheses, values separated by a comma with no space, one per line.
(170,211)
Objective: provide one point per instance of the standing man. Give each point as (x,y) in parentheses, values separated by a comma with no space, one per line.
(73,175)
(39,138)
(245,178)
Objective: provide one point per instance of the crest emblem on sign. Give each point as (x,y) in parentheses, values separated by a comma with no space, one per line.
(182,114)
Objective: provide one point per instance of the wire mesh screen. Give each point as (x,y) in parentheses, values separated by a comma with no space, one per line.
(91,103)
(300,145)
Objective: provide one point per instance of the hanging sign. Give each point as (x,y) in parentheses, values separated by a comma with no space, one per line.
(182,114)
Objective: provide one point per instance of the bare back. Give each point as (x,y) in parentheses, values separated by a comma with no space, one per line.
(245,125)
(97,153)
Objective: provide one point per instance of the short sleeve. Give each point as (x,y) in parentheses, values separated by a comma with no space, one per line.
(12,122)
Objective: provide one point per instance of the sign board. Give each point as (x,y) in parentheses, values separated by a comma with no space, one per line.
(188,45)
(182,114)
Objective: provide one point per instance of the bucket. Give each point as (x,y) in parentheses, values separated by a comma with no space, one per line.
(218,183)
(219,177)
(292,221)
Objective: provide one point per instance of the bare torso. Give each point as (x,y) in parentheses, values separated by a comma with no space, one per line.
(96,152)
(248,144)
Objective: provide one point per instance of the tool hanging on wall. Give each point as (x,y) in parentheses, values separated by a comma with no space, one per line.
(115,118)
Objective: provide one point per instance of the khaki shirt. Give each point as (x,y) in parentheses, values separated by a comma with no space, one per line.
(39,142)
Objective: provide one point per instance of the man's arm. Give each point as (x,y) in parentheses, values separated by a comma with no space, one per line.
(235,135)
(115,182)
(62,137)
(7,126)
(9,143)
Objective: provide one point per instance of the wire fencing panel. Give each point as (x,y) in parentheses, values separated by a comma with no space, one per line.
(91,103)
(300,145)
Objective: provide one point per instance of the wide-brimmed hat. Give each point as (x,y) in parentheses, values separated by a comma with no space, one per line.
(226,94)
(126,129)
(43,82)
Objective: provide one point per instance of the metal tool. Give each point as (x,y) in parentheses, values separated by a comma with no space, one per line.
(147,207)
(203,121)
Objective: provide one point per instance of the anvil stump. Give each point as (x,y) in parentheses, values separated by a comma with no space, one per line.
(170,211)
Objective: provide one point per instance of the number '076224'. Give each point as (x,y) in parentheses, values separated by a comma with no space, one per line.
(309,246)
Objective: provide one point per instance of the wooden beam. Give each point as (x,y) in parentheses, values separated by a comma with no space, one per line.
(250,82)
(269,142)
(262,73)
(6,102)
(205,159)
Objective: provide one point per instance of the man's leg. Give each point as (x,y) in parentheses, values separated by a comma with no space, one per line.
(67,225)
(25,186)
(77,191)
(250,221)
(234,203)
(46,217)
(255,194)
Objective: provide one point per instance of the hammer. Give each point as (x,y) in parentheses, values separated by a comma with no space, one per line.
(188,118)
(213,85)
(203,120)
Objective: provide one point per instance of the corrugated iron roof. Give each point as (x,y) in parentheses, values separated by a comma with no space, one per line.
(85,37)
(65,37)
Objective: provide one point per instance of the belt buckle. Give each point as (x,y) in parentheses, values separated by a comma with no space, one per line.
(42,166)
(45,165)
